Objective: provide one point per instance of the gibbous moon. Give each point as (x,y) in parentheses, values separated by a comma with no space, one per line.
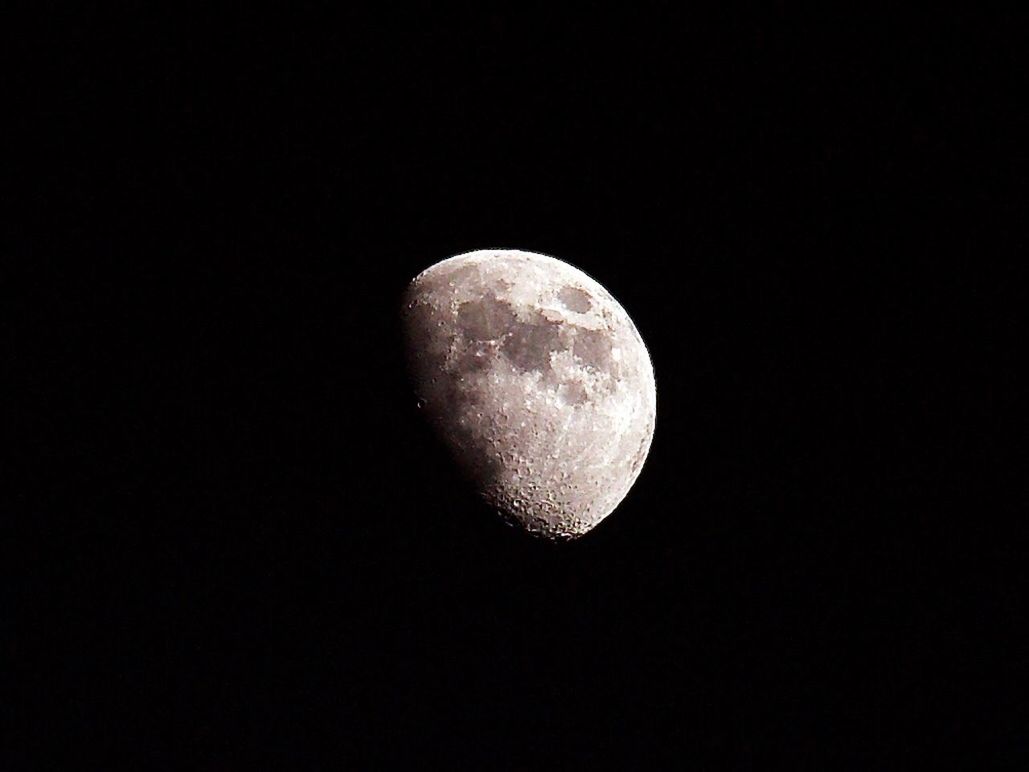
(538,382)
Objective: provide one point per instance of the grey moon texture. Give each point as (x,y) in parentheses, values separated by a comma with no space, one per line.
(537,380)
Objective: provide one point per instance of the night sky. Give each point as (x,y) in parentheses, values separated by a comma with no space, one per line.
(242,549)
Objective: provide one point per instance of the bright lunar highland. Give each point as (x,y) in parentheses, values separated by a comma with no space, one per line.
(537,380)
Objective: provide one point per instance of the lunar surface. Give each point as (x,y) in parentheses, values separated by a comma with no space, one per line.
(537,380)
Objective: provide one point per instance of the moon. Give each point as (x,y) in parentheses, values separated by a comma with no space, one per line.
(537,380)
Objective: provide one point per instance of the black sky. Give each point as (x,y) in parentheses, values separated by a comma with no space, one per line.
(253,553)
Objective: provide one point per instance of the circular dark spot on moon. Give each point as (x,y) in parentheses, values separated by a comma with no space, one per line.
(573,393)
(575,299)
